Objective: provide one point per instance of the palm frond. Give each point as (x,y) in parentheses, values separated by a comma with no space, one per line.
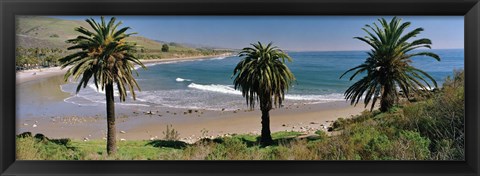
(388,63)
(104,56)
(262,75)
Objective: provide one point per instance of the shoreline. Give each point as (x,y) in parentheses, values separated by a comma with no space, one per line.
(138,125)
(37,74)
(188,58)
(149,123)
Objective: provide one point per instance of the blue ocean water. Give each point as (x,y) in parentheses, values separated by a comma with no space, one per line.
(207,83)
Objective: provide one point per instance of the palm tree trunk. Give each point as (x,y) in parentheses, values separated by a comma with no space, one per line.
(388,97)
(266,138)
(111,139)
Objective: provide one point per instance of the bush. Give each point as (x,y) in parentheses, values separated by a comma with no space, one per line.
(445,150)
(339,124)
(322,134)
(411,146)
(378,148)
(165,48)
(31,148)
(335,148)
(199,151)
(300,150)
(171,134)
(441,119)
(276,153)
(230,149)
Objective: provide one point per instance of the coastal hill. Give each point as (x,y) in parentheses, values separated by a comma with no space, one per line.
(46,32)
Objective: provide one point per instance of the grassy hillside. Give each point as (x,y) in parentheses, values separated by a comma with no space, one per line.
(51,33)
(43,32)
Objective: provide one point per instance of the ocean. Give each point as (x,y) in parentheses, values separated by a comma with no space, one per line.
(208,83)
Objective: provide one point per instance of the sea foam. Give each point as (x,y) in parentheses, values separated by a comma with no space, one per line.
(182,80)
(228,89)
(216,88)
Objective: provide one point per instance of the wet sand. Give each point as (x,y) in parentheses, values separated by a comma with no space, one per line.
(145,123)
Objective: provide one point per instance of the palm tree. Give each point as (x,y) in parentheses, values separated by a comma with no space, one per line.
(104,55)
(263,76)
(388,65)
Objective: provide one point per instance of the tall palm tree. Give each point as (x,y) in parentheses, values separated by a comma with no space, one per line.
(263,76)
(388,65)
(104,55)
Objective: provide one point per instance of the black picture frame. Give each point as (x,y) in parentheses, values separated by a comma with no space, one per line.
(470,9)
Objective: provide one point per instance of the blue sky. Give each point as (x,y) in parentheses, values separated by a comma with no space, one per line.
(298,33)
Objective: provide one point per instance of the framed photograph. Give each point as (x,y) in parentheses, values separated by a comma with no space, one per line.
(239,87)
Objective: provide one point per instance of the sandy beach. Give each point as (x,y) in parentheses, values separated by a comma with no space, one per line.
(149,123)
(37,74)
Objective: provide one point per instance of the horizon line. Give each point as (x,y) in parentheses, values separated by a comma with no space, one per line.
(359,50)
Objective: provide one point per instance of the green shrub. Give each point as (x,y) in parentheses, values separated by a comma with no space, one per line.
(378,148)
(230,149)
(199,151)
(322,134)
(339,124)
(300,150)
(31,148)
(336,148)
(165,48)
(276,153)
(411,146)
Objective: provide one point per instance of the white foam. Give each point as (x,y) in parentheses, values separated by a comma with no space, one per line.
(196,107)
(218,58)
(69,100)
(133,104)
(62,89)
(326,97)
(197,96)
(136,67)
(99,90)
(182,80)
(216,88)
(228,89)
(97,102)
(91,96)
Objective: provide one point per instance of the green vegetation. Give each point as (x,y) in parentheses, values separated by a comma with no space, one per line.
(389,65)
(28,58)
(164,48)
(263,76)
(431,129)
(104,55)
(236,147)
(178,51)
